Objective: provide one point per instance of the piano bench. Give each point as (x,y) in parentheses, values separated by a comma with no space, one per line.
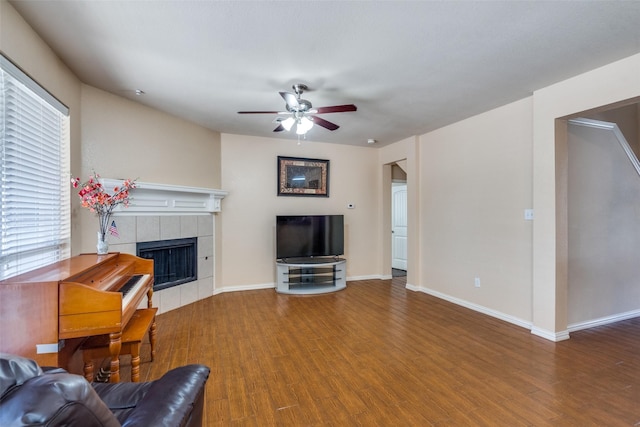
(142,321)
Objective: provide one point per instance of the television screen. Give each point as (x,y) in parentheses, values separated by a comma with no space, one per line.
(299,236)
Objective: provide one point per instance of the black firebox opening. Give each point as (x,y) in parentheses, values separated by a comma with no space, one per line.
(174,261)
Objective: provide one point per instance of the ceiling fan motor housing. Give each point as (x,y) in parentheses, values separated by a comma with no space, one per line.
(303,106)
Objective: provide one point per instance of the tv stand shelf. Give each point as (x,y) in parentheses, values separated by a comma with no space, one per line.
(311,275)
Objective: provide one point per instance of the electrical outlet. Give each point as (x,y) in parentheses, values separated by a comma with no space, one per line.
(476,282)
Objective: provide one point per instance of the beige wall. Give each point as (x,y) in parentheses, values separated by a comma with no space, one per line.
(398,174)
(125,139)
(249,173)
(477,176)
(603,236)
(610,84)
(474,187)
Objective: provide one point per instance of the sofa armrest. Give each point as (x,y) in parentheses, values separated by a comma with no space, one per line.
(55,399)
(176,399)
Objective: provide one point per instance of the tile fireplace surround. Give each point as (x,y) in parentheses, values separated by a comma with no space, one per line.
(163,212)
(134,229)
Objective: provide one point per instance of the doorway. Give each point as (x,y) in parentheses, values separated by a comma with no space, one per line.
(399,219)
(399,228)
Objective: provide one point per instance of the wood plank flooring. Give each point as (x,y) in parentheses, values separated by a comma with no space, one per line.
(376,354)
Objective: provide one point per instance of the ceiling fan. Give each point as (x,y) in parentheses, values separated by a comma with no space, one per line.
(301,112)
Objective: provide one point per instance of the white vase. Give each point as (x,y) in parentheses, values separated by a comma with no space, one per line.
(102,246)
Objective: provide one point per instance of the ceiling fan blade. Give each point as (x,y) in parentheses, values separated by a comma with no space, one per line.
(280,128)
(259,112)
(324,123)
(290,99)
(337,109)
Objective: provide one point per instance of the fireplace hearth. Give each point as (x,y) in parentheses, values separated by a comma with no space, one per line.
(175,261)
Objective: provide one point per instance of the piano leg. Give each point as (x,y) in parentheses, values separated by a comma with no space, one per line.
(152,338)
(115,345)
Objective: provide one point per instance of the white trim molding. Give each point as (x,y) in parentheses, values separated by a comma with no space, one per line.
(603,321)
(163,199)
(550,335)
(475,307)
(613,127)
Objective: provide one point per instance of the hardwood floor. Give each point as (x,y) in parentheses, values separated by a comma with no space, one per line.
(376,354)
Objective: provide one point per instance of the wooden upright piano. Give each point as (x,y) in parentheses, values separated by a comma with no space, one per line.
(45,314)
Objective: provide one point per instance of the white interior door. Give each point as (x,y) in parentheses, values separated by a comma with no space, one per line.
(399,226)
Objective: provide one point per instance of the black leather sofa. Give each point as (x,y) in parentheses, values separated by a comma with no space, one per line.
(32,396)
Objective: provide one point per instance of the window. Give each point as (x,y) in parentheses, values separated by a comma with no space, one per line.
(34,174)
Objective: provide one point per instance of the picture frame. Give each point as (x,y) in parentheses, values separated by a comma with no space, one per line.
(298,176)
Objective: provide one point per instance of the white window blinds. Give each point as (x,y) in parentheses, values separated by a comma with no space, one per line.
(34,180)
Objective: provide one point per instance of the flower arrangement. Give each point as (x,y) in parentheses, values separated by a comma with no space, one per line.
(97,200)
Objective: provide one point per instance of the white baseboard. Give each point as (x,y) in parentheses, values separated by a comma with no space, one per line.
(550,335)
(370,277)
(603,320)
(544,333)
(413,287)
(475,307)
(244,288)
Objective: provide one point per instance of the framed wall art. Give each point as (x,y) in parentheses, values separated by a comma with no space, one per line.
(303,177)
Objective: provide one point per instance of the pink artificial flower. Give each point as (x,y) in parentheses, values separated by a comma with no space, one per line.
(94,197)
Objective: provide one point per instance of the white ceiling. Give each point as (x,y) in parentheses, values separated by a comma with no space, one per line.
(409,66)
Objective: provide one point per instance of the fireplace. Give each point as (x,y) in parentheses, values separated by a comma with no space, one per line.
(163,211)
(174,261)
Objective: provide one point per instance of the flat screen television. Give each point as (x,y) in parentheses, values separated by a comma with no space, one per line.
(305,236)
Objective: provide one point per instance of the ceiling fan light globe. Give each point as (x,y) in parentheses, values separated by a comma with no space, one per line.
(307,122)
(304,126)
(288,123)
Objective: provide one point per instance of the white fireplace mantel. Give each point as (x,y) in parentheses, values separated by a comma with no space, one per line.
(163,199)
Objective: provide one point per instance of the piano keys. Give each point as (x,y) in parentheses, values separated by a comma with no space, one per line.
(45,314)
